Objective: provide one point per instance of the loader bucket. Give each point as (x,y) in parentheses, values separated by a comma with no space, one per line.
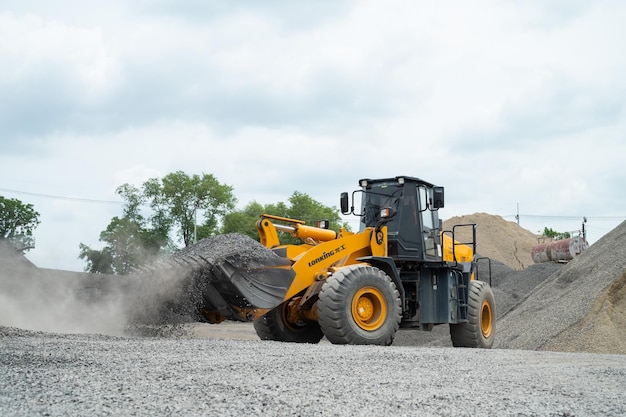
(234,277)
(244,282)
(236,287)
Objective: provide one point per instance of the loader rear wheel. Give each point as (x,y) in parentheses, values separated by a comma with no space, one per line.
(479,331)
(359,305)
(275,326)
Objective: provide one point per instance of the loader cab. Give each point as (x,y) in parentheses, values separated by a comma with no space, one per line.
(408,207)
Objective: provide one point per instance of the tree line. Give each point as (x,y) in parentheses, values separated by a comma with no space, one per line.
(161,215)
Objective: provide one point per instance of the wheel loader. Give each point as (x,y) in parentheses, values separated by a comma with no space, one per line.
(398,271)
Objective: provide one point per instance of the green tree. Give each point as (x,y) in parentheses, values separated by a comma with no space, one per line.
(305,208)
(177,199)
(17,223)
(300,207)
(133,240)
(154,238)
(129,242)
(244,221)
(98,261)
(548,232)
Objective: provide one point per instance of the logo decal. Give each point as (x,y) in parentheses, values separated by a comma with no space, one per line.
(325,255)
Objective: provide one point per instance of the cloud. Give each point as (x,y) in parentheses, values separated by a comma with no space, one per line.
(500,103)
(54,77)
(285,15)
(563,109)
(70,78)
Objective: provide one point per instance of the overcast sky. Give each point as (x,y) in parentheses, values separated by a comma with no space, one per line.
(503,103)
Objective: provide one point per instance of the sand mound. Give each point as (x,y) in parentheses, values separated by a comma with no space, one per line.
(578,308)
(497,238)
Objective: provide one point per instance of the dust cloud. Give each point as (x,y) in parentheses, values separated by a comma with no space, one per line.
(152,302)
(72,302)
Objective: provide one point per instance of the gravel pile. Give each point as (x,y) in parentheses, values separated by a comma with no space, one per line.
(55,375)
(513,286)
(220,246)
(587,291)
(602,329)
(174,290)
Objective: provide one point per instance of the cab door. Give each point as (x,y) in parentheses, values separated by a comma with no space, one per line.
(429,229)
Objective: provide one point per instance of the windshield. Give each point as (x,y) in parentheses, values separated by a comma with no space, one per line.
(376,198)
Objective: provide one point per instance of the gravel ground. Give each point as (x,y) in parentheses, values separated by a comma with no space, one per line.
(54,375)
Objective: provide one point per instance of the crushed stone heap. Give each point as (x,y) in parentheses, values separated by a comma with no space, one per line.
(174,290)
(581,307)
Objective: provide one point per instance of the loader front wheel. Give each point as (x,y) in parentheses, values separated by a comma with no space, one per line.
(276,326)
(359,305)
(479,331)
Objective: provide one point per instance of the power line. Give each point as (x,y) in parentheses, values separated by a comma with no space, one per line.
(96,201)
(57,197)
(541,216)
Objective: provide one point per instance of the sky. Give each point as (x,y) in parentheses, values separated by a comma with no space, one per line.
(513,107)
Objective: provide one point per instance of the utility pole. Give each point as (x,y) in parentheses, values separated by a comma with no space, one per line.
(195,223)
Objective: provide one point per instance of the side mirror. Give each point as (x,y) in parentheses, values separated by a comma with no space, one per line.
(345,209)
(437,197)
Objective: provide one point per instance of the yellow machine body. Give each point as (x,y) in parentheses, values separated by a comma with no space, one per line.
(325,251)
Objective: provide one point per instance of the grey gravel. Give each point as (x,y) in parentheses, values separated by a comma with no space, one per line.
(57,375)
(216,247)
(172,291)
(566,296)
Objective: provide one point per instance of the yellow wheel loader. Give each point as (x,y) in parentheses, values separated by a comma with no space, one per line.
(398,271)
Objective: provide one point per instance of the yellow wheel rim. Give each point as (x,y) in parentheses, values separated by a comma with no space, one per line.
(486,319)
(369,309)
(290,315)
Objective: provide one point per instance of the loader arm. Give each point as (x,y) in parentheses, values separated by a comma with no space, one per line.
(268,230)
(322,249)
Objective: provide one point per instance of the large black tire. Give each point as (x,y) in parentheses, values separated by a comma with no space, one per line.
(275,326)
(480,330)
(359,305)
